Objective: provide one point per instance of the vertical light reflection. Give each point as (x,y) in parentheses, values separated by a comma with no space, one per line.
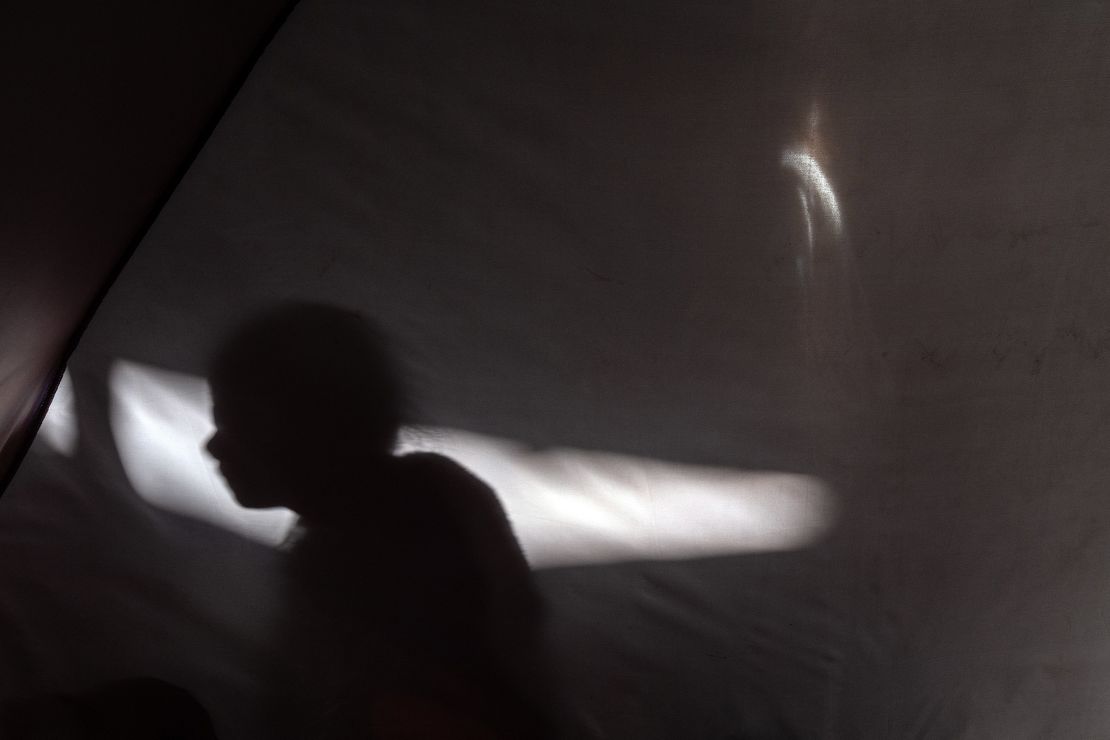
(815,185)
(836,332)
(809,221)
(831,321)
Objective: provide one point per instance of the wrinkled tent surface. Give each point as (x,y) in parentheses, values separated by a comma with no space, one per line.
(860,244)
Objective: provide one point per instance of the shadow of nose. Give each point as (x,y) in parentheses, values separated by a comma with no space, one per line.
(212,446)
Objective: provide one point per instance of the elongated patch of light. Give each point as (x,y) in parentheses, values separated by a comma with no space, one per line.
(567,506)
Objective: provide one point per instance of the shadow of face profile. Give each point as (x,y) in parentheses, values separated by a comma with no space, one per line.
(299,394)
(408,583)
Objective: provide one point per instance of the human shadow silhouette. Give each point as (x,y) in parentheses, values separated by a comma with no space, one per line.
(411,611)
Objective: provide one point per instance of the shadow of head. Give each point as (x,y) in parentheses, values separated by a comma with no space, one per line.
(300,394)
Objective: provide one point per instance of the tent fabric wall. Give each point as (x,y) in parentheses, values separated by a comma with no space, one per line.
(106,105)
(855,242)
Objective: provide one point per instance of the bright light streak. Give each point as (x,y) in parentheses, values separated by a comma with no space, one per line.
(160,421)
(808,219)
(815,180)
(567,506)
(573,506)
(59,427)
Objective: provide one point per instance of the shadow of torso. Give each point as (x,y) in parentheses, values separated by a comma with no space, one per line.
(414,612)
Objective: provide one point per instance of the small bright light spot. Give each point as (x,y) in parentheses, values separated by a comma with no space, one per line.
(59,426)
